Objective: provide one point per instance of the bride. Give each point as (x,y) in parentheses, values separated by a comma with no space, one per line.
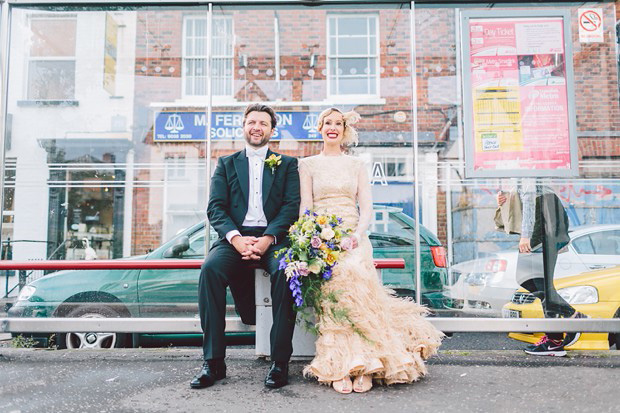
(395,337)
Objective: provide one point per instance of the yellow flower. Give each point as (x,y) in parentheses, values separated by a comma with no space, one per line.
(323,247)
(273,162)
(332,257)
(321,220)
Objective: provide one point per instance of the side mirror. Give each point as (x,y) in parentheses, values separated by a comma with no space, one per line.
(179,247)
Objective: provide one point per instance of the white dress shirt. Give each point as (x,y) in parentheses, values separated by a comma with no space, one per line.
(255,217)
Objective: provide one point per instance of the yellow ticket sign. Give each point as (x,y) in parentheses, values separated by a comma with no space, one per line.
(497,119)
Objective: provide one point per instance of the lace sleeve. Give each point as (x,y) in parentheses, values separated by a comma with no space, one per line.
(364,199)
(305,180)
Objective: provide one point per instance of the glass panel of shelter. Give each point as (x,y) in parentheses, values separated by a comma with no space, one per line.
(483,260)
(117,155)
(353,58)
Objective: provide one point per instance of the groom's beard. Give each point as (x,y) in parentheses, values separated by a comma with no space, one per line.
(253,142)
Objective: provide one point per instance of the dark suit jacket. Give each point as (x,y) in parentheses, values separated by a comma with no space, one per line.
(228,203)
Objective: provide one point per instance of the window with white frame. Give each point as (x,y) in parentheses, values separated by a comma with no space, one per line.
(51,58)
(395,166)
(175,167)
(8,212)
(195,56)
(353,55)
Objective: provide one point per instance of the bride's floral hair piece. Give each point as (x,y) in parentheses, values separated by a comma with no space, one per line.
(350,136)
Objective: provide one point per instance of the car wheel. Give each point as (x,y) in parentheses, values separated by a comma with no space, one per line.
(92,340)
(614,338)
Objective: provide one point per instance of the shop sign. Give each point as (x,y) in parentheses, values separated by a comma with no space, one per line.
(227,126)
(519,98)
(109,54)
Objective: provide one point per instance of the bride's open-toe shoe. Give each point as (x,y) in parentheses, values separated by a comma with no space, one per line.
(344,386)
(362,384)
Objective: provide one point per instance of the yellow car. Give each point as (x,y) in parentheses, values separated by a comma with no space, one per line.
(595,293)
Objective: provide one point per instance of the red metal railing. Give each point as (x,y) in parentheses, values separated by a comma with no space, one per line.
(138,264)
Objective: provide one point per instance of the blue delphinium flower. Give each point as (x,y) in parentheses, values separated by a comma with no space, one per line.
(282,263)
(327,274)
(295,287)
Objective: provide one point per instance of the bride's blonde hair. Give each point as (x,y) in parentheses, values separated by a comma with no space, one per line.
(350,118)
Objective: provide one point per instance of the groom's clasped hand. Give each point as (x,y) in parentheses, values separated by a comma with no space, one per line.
(252,248)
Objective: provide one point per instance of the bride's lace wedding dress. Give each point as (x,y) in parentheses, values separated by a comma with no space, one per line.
(396,337)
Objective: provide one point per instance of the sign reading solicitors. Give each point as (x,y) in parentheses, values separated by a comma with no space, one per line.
(226,126)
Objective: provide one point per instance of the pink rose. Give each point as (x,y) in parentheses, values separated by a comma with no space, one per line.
(346,244)
(315,242)
(302,268)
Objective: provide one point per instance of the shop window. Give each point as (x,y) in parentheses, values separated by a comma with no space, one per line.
(8,211)
(175,168)
(195,56)
(394,166)
(51,61)
(353,55)
(184,193)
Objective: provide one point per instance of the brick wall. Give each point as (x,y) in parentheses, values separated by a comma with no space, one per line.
(596,78)
(303,33)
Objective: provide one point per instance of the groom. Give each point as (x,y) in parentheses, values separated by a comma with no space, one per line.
(253,203)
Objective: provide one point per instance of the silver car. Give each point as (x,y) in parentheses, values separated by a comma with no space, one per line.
(482,286)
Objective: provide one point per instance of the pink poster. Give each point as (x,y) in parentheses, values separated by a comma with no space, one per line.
(519,94)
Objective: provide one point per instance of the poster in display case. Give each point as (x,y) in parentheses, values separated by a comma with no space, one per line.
(518,94)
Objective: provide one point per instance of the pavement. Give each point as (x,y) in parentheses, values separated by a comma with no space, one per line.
(157,380)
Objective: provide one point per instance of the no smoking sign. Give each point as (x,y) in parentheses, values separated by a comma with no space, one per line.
(590,25)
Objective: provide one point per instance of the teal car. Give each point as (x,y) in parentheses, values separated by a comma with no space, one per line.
(174,293)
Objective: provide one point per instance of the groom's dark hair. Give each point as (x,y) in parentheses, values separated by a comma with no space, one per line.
(260,107)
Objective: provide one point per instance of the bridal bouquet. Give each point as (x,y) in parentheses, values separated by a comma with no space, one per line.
(317,242)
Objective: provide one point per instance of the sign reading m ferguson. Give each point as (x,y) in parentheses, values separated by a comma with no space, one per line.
(191,126)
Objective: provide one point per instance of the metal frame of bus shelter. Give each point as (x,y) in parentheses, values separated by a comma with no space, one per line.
(178,325)
(192,325)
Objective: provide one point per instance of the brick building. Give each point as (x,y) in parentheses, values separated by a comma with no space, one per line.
(105,159)
(283,56)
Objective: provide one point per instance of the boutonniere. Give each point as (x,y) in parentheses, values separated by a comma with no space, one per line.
(273,162)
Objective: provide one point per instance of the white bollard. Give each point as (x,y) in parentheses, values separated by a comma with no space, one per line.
(303,340)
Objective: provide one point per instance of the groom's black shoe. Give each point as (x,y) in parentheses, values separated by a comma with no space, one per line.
(278,375)
(212,370)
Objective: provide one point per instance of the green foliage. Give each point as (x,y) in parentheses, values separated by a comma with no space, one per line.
(23,342)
